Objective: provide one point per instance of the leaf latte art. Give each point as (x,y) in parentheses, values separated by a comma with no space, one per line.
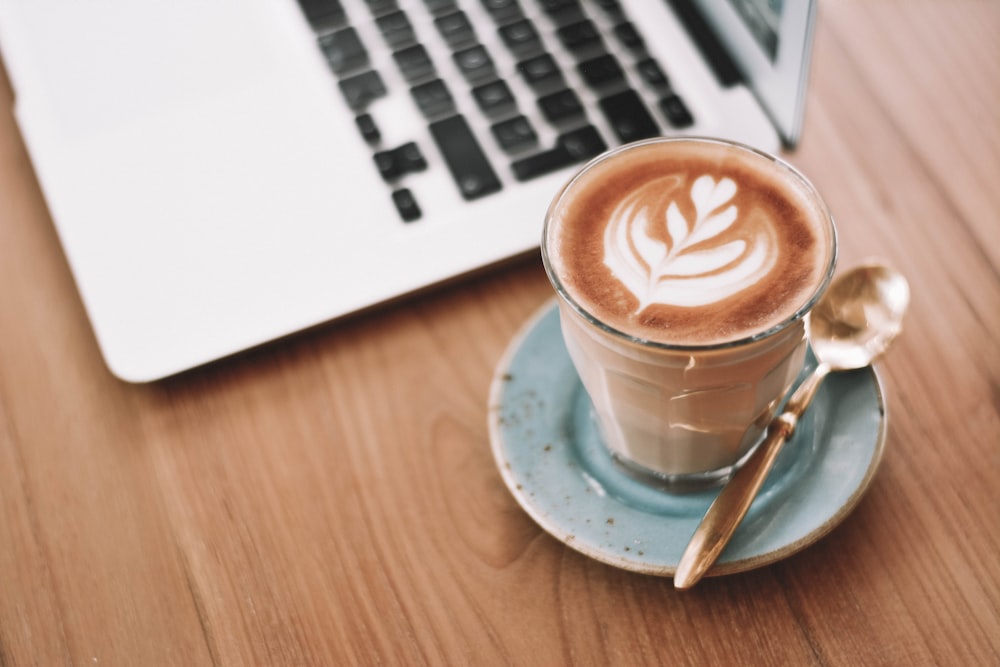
(689,242)
(663,256)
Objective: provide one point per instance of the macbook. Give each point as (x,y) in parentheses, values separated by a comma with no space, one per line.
(223,173)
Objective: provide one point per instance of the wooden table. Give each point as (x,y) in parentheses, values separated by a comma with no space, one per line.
(332,499)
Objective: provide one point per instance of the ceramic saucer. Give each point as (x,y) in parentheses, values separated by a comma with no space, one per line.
(550,455)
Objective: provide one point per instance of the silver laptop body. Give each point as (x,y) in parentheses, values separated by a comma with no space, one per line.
(215,179)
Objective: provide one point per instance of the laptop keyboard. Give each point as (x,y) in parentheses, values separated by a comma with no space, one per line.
(518,61)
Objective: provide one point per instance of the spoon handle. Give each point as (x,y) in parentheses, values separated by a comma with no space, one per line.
(732,503)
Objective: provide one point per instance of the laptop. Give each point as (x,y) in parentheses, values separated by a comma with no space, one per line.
(223,173)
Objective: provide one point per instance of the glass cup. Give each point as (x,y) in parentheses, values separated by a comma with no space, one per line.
(683,416)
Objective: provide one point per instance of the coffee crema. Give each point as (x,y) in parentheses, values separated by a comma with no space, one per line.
(689,242)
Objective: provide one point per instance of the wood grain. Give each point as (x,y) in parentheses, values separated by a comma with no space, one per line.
(332,499)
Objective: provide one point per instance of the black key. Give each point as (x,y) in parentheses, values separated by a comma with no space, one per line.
(583,143)
(410,158)
(440,6)
(562,11)
(514,133)
(386,165)
(323,14)
(502,10)
(474,63)
(571,148)
(465,158)
(521,37)
(612,8)
(433,98)
(344,50)
(541,163)
(360,90)
(629,36)
(676,111)
(555,6)
(579,36)
(406,205)
(601,72)
(541,72)
(455,29)
(628,116)
(379,7)
(494,97)
(650,72)
(560,106)
(414,63)
(369,130)
(399,161)
(395,28)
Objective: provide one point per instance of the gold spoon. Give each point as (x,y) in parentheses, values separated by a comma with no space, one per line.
(851,325)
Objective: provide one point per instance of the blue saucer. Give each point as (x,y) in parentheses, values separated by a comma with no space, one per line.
(551,457)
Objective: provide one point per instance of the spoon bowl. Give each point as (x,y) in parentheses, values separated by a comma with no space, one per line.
(853,324)
(858,317)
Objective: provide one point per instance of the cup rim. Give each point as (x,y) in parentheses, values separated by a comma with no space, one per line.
(594,321)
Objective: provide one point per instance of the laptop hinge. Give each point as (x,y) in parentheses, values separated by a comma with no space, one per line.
(722,65)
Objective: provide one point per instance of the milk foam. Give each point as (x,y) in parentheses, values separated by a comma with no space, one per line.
(689,242)
(694,267)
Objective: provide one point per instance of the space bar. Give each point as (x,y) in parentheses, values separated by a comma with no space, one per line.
(465,158)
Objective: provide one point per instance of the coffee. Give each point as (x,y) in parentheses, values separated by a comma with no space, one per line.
(689,242)
(684,269)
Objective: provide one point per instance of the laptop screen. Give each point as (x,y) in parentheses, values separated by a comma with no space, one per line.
(770,42)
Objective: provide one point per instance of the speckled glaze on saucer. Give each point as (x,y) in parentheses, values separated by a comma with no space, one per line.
(548,450)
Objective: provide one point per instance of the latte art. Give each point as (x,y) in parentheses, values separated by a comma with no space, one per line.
(693,266)
(689,242)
